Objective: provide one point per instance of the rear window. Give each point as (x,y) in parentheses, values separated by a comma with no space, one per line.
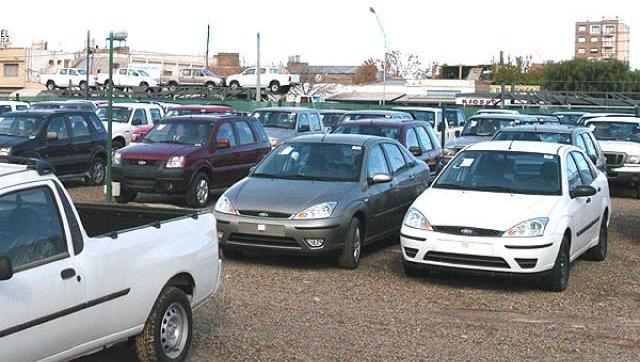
(563,138)
(371,130)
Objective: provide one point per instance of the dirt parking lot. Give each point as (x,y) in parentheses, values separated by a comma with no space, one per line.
(290,308)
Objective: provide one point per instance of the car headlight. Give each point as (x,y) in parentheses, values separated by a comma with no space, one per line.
(5,151)
(224,206)
(117,158)
(632,159)
(274,141)
(414,219)
(527,229)
(319,211)
(175,162)
(449,152)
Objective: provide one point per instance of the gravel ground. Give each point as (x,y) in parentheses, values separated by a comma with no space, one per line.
(289,308)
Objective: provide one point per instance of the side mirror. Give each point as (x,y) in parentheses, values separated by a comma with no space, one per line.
(6,269)
(582,191)
(223,143)
(52,136)
(380,178)
(457,133)
(416,151)
(593,159)
(304,128)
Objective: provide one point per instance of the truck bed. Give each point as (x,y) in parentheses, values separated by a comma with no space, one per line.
(101,219)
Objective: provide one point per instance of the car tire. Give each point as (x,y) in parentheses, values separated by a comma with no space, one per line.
(274,86)
(599,252)
(51,85)
(349,257)
(234,84)
(126,196)
(411,270)
(172,86)
(199,191)
(82,85)
(168,330)
(97,172)
(558,277)
(210,86)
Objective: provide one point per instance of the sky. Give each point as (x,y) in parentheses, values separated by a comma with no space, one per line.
(325,32)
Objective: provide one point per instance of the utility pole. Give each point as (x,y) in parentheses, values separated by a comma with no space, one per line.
(206,59)
(258,87)
(109,120)
(86,90)
(384,59)
(501,84)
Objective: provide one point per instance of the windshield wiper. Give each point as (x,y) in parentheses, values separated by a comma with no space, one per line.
(448,186)
(494,189)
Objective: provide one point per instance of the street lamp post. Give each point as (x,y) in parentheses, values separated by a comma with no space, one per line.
(384,59)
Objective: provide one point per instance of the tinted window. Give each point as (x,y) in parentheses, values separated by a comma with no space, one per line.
(572,174)
(226,132)
(396,160)
(20,126)
(276,119)
(23,242)
(425,141)
(591,148)
(139,117)
(155,115)
(79,126)
(95,121)
(411,139)
(376,163)
(118,114)
(563,138)
(503,172)
(262,135)
(372,130)
(245,135)
(618,131)
(304,121)
(485,126)
(583,168)
(21,108)
(180,132)
(5,109)
(315,122)
(58,126)
(330,120)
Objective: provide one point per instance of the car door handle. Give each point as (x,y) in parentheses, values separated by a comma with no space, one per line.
(588,200)
(67,273)
(599,189)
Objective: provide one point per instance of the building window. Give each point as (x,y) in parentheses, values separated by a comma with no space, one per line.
(50,62)
(10,70)
(607,52)
(581,51)
(582,28)
(595,29)
(609,29)
(594,39)
(594,50)
(581,40)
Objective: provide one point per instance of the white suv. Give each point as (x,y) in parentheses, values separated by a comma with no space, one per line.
(510,207)
(127,117)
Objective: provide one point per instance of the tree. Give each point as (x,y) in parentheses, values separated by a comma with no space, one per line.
(367,72)
(591,76)
(404,66)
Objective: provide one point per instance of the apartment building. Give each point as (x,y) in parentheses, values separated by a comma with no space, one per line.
(601,40)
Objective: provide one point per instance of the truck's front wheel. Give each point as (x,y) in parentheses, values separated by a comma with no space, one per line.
(234,84)
(51,85)
(167,333)
(274,86)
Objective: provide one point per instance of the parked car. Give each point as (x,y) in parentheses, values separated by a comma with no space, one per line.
(193,76)
(551,206)
(455,119)
(270,77)
(80,105)
(13,106)
(190,155)
(127,118)
(65,77)
(494,111)
(331,117)
(183,110)
(417,136)
(481,128)
(539,119)
(581,137)
(569,118)
(587,116)
(282,123)
(126,78)
(342,192)
(75,279)
(619,138)
(74,142)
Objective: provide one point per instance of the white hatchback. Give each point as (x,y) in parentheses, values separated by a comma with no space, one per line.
(510,207)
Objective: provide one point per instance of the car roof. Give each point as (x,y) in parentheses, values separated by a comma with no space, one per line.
(328,111)
(335,138)
(209,107)
(285,109)
(379,112)
(45,112)
(206,117)
(394,122)
(608,114)
(545,128)
(427,109)
(13,102)
(134,105)
(623,119)
(569,113)
(518,146)
(515,117)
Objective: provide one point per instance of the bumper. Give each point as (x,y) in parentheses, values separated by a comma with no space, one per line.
(152,179)
(480,254)
(624,173)
(248,232)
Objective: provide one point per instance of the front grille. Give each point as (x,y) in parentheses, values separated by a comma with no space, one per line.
(141,163)
(467,231)
(614,159)
(464,259)
(263,240)
(411,252)
(527,263)
(266,214)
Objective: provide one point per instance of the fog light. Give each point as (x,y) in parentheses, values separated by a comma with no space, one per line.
(220,235)
(314,243)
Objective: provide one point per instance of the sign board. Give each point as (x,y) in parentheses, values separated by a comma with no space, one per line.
(5,39)
(480,102)
(518,88)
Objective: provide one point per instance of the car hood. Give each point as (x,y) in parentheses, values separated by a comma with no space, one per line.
(156,151)
(469,208)
(465,141)
(11,141)
(285,196)
(628,147)
(280,133)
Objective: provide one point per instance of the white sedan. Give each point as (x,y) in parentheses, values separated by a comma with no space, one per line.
(510,207)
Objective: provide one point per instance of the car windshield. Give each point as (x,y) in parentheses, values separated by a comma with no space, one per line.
(27,127)
(313,161)
(184,132)
(485,126)
(276,119)
(563,138)
(616,131)
(190,111)
(503,172)
(118,114)
(330,119)
(569,119)
(207,73)
(372,130)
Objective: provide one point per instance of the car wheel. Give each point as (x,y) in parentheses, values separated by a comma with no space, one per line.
(599,252)
(558,278)
(349,257)
(126,196)
(274,86)
(411,270)
(96,172)
(51,85)
(210,86)
(83,85)
(198,192)
(173,86)
(167,332)
(234,84)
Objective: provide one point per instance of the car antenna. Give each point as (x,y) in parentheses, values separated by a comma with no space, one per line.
(510,144)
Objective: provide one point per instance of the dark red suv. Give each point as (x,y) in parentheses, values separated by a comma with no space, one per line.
(190,155)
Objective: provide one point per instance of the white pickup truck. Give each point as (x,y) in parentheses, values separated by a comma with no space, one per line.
(127,118)
(270,77)
(65,76)
(75,279)
(126,78)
